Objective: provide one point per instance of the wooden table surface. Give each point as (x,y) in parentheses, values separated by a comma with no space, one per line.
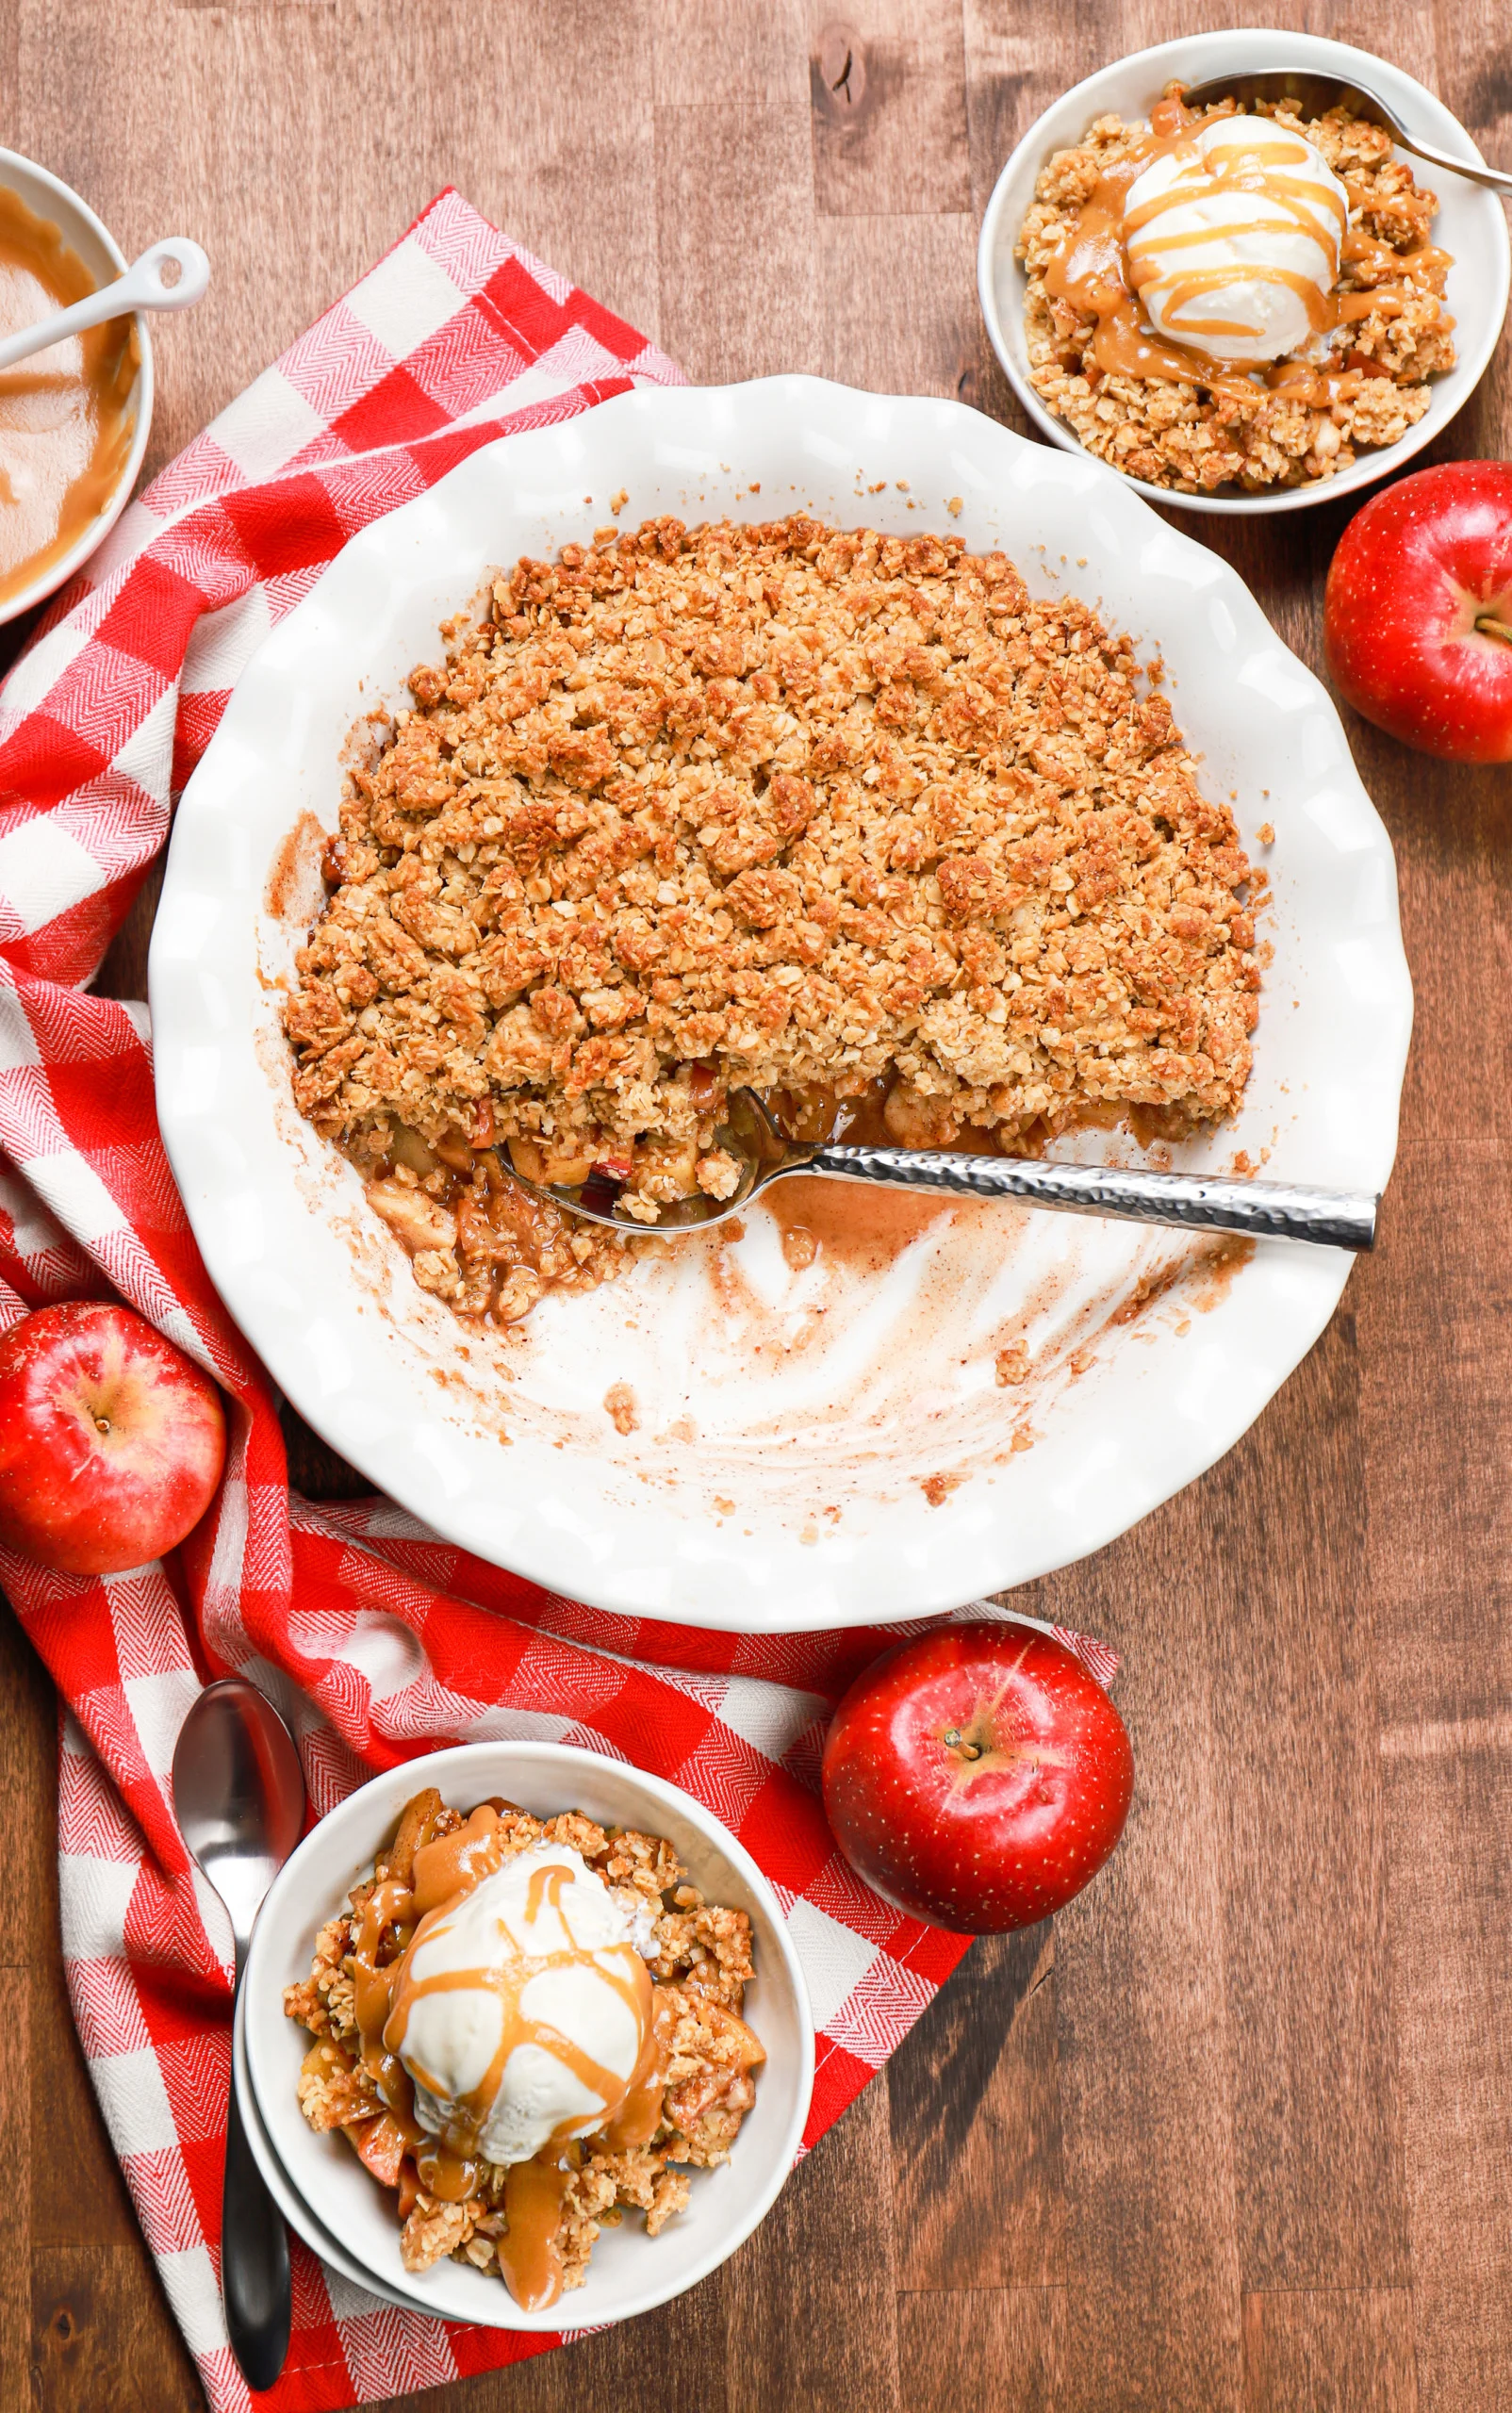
(1234,2133)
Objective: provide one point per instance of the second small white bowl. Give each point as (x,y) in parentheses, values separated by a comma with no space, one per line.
(631,2272)
(1471,224)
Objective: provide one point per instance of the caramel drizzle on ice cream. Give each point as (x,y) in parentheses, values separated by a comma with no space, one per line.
(1112,259)
(445,1873)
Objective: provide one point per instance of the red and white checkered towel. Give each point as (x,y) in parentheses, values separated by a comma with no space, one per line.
(378,1640)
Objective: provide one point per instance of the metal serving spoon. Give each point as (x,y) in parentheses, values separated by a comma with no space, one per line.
(1316,93)
(144,286)
(1200,1201)
(239,1797)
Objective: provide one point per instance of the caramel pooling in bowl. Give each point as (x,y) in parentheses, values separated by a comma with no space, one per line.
(66,420)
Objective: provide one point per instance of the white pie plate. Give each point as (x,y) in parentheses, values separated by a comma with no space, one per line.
(788,1423)
(1471,224)
(318,2183)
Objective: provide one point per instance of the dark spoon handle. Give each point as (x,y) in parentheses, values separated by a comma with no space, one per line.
(255,2282)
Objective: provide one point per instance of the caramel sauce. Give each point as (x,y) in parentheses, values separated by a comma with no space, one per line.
(530,2255)
(1113,256)
(446,1870)
(66,424)
(851,1224)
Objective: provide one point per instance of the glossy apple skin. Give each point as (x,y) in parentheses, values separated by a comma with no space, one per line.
(87,1501)
(1414,572)
(978,1778)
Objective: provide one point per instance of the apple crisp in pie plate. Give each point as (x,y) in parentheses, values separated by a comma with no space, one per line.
(841,745)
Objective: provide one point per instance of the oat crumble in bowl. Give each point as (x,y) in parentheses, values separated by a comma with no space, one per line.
(1198,425)
(513,2155)
(847,818)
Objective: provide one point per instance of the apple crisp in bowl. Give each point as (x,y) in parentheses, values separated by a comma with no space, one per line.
(525,2028)
(844,817)
(1185,396)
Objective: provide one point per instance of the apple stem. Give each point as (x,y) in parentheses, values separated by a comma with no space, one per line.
(102,1424)
(1489,626)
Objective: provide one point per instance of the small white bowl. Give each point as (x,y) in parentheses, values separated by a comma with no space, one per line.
(50,198)
(328,2192)
(1470,224)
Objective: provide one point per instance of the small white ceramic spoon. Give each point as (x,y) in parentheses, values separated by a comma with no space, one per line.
(143,287)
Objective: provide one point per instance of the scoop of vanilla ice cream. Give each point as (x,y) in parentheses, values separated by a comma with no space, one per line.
(452,2037)
(1210,221)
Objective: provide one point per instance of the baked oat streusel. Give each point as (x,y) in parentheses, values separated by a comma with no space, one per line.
(688,2098)
(841,817)
(1365,388)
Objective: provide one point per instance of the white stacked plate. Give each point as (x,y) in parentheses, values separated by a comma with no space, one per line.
(321,2188)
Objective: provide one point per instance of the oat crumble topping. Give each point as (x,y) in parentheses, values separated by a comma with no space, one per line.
(841,817)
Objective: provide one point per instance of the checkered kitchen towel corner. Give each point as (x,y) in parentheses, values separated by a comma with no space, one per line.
(378,1640)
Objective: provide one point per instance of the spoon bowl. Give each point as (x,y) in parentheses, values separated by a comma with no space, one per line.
(239,1797)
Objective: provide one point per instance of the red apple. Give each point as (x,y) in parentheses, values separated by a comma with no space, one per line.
(1417,612)
(978,1778)
(111,1440)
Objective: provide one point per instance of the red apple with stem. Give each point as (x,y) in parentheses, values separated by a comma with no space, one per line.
(1417,612)
(979,1777)
(111,1440)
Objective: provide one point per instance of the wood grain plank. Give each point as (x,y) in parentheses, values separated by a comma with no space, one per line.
(29,1791)
(1436,1410)
(887,83)
(78,2194)
(1318,2179)
(102,2338)
(735,213)
(812,2319)
(999,2348)
(978,2182)
(898,308)
(305,140)
(1447,1822)
(1018,61)
(1337,2350)
(1143,2044)
(16,2050)
(750,51)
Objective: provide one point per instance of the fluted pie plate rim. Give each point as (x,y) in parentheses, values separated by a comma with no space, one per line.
(784,1515)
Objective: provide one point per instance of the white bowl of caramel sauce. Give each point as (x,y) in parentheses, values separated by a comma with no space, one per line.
(342,2213)
(1471,225)
(74,420)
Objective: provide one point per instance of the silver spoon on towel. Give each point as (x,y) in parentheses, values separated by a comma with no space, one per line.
(239,1797)
(1314,94)
(1189,1201)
